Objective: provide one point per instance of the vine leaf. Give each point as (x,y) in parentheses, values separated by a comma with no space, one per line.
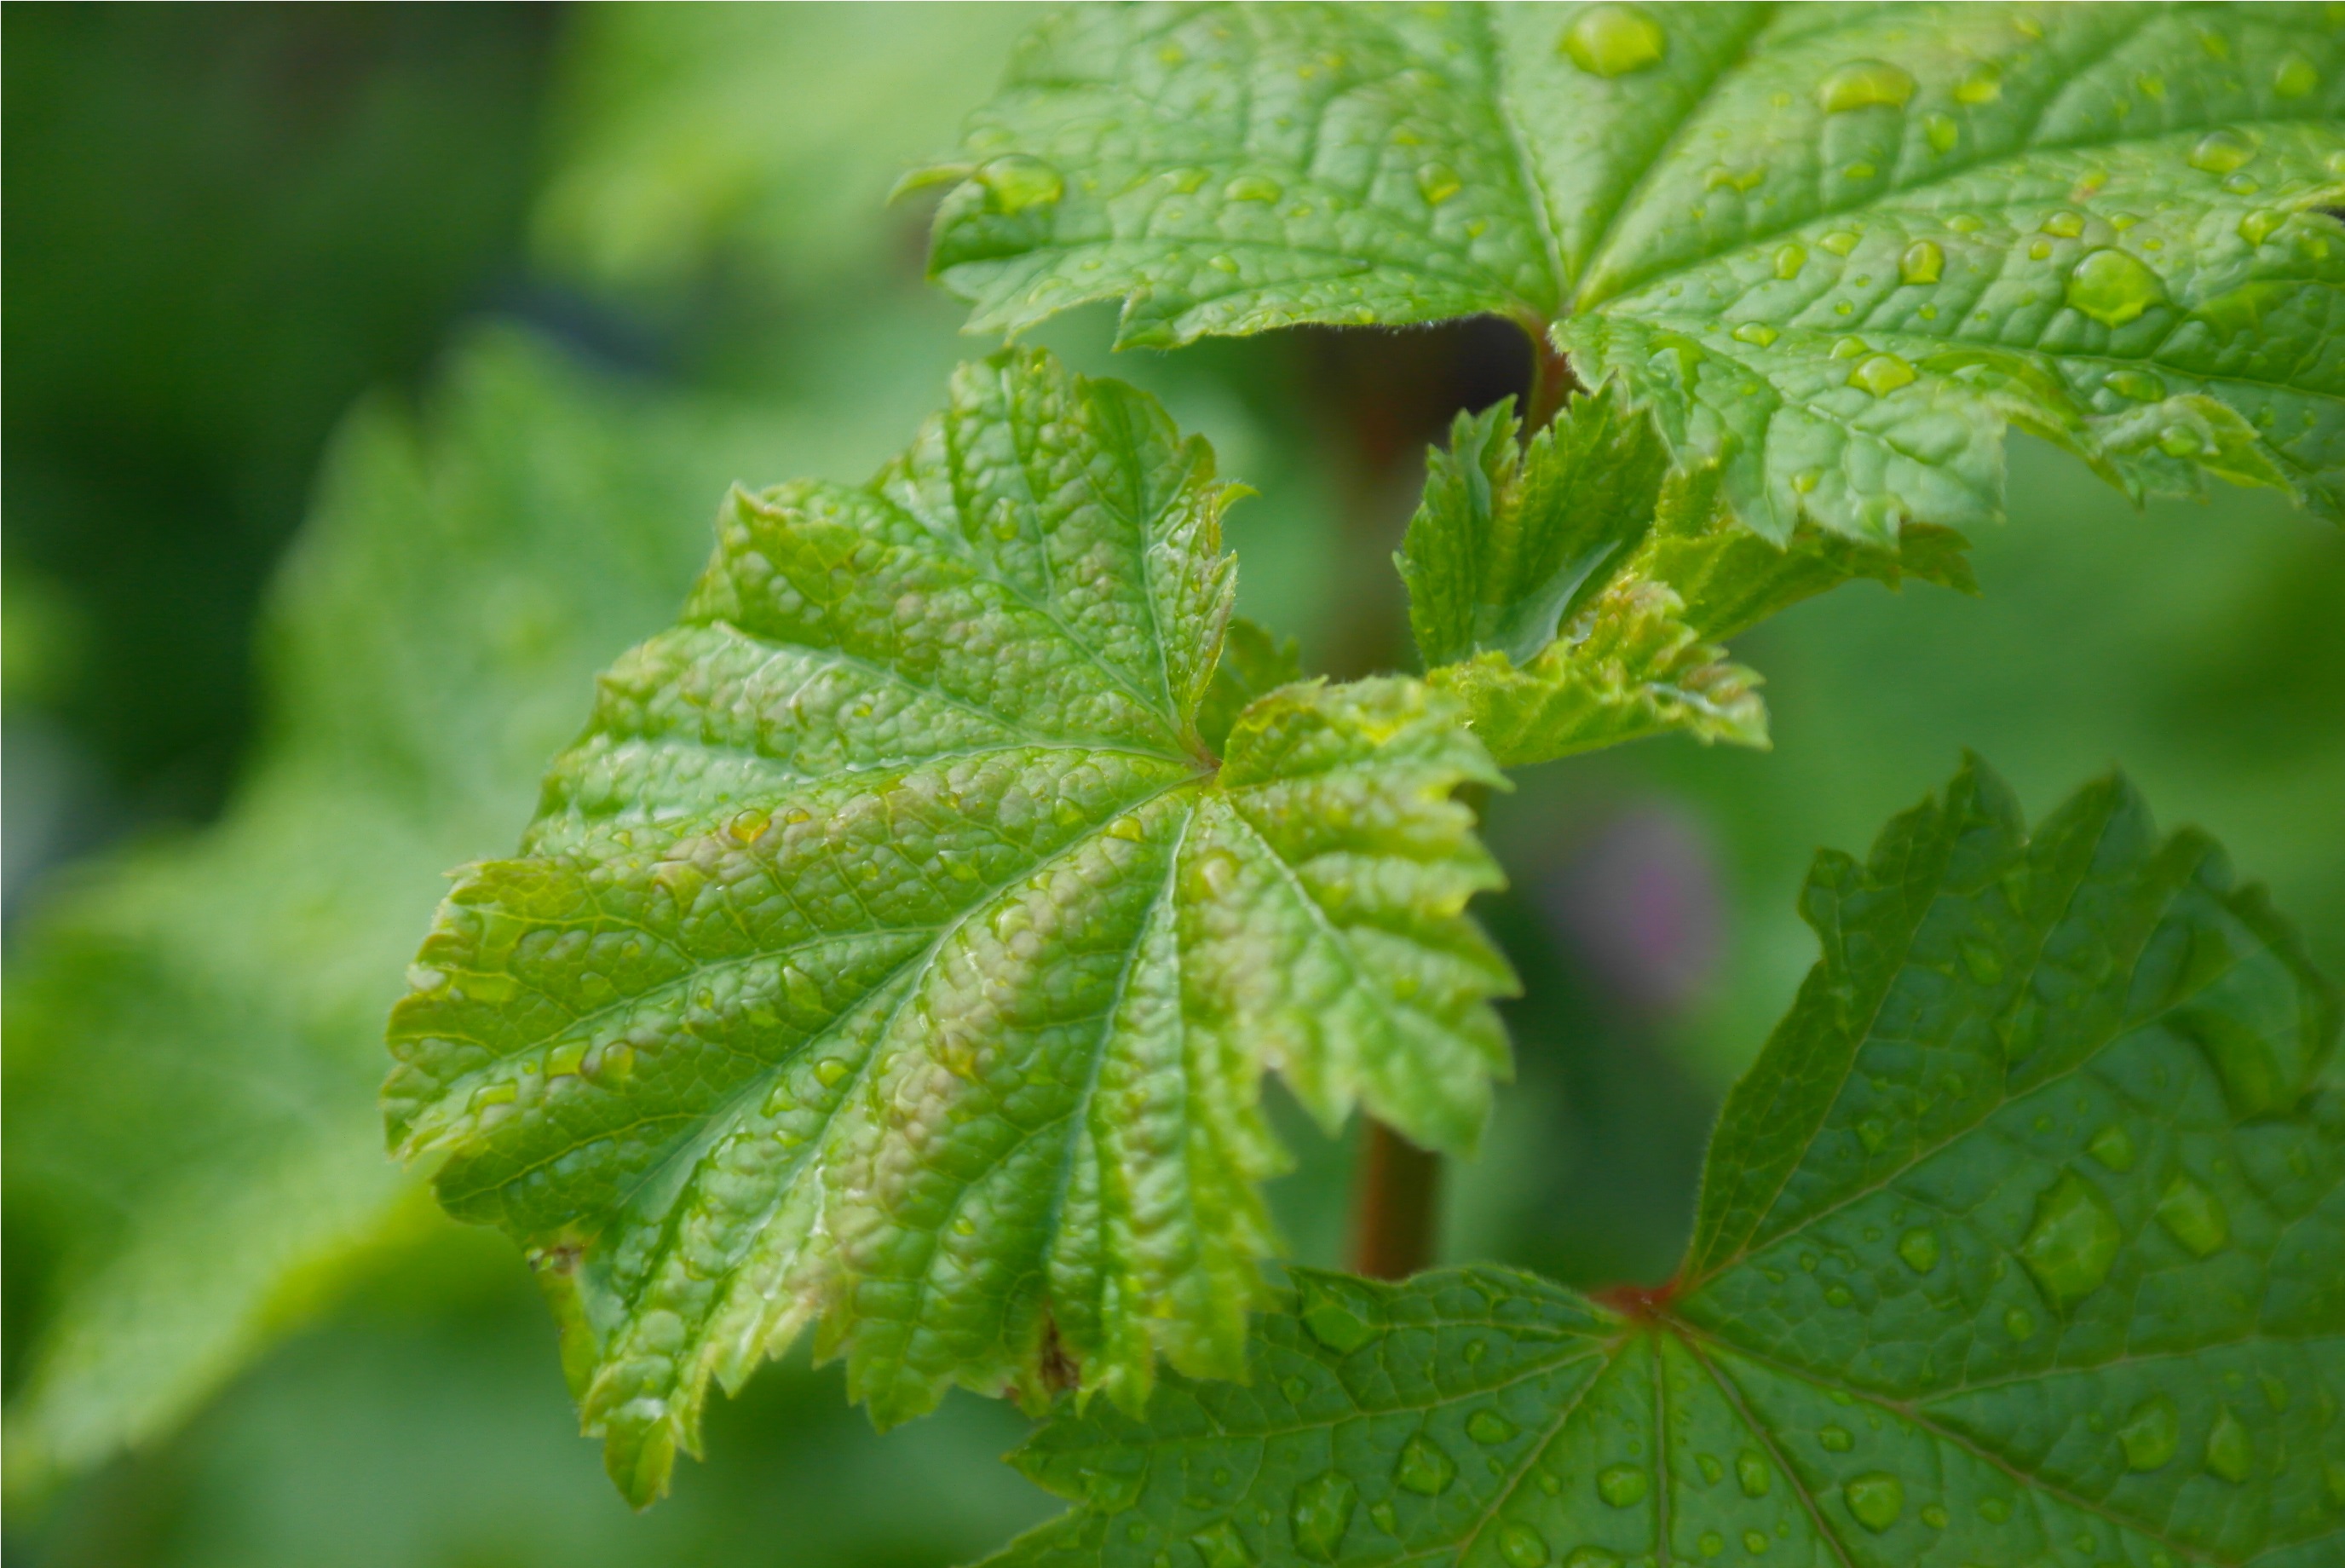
(1572,591)
(1837,251)
(893,951)
(2019,1244)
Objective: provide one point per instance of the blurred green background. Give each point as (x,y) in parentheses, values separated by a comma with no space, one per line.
(375,372)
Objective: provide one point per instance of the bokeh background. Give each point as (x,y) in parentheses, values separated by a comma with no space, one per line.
(373,374)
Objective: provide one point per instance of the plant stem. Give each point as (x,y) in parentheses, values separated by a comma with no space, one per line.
(1551,383)
(1393,1211)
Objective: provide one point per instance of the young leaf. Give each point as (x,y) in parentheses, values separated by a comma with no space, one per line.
(2019,1244)
(1836,250)
(892,949)
(1570,591)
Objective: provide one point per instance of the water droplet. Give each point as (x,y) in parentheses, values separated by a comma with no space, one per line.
(1222,1547)
(1017,183)
(1923,262)
(2041,250)
(2229,1453)
(2112,1146)
(1322,1512)
(1865,84)
(1838,1296)
(1944,135)
(2019,1323)
(2259,225)
(1836,1440)
(1982,83)
(1614,40)
(1806,479)
(1721,178)
(2295,77)
(1522,1546)
(1919,1248)
(2072,1241)
(2065,224)
(830,1072)
(2193,1216)
(1851,349)
(1113,1491)
(564,1060)
(2113,287)
(2142,386)
(1438,182)
(1840,242)
(2222,151)
(1340,1325)
(1712,1544)
(1876,1499)
(1754,1542)
(1882,374)
(1757,333)
(2276,1392)
(489,1095)
(1752,1473)
(1788,260)
(2151,1433)
(1425,1469)
(1253,188)
(1622,1485)
(1488,1426)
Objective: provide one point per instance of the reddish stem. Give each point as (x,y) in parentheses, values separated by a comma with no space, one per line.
(1393,1212)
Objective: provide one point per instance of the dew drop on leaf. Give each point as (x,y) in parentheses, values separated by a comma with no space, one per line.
(1882,374)
(1253,188)
(1425,1468)
(1522,1546)
(1712,1544)
(1865,84)
(2019,1323)
(2258,226)
(2151,1433)
(2072,1241)
(1614,40)
(1438,182)
(2113,1147)
(2222,151)
(2193,1216)
(1788,260)
(1622,1485)
(1489,1427)
(1018,183)
(2229,1455)
(1712,1470)
(1752,1473)
(2113,287)
(1759,334)
(1876,1499)
(1385,1517)
(1322,1512)
(1836,1440)
(1840,241)
(1919,1248)
(1924,262)
(1333,1322)
(2064,224)
(2142,386)
(2295,77)
(1222,1547)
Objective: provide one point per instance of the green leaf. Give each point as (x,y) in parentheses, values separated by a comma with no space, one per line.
(2019,1244)
(194,1023)
(893,951)
(1836,250)
(1570,591)
(1254,662)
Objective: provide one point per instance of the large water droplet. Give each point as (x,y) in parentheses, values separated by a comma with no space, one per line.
(1865,84)
(1322,1512)
(1840,241)
(2113,1147)
(1876,1499)
(1438,182)
(2258,226)
(1924,262)
(2064,224)
(2229,1453)
(1622,1485)
(1522,1546)
(2193,1216)
(1222,1547)
(2222,151)
(2113,286)
(1759,334)
(1339,1324)
(2151,1433)
(1788,260)
(1488,1426)
(1425,1468)
(2072,1241)
(1919,1248)
(1253,188)
(1882,374)
(1614,40)
(1016,183)
(2295,77)
(1752,1473)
